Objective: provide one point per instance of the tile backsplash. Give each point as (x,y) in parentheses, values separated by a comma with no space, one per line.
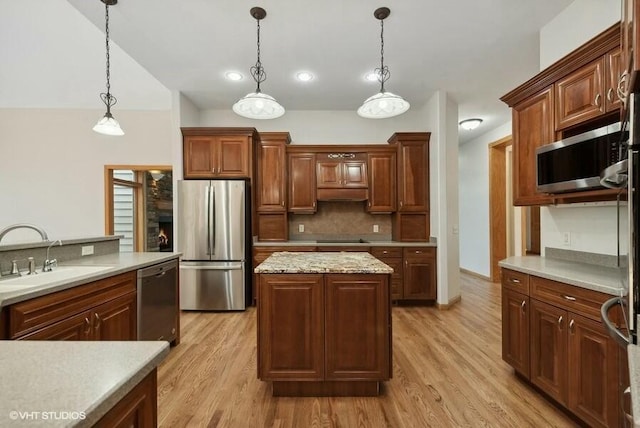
(344,219)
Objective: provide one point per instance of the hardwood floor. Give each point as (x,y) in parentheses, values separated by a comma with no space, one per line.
(447,372)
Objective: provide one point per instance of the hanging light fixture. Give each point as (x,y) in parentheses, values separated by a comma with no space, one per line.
(258,105)
(108,125)
(383,104)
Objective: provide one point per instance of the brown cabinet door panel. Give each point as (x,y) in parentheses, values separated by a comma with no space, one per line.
(419,274)
(382,182)
(329,174)
(302,182)
(271,187)
(549,349)
(593,372)
(291,317)
(580,96)
(232,157)
(74,328)
(413,175)
(199,157)
(515,330)
(354,174)
(357,327)
(116,320)
(614,72)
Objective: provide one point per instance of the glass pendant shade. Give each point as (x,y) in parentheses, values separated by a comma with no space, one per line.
(383,105)
(108,126)
(258,105)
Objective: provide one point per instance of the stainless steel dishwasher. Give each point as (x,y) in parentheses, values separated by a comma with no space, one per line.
(158,302)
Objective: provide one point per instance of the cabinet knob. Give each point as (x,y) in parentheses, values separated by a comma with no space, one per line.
(514,281)
(597,100)
(385,252)
(569,298)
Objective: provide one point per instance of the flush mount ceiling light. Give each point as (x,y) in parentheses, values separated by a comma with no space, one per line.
(233,75)
(383,104)
(108,125)
(470,124)
(258,105)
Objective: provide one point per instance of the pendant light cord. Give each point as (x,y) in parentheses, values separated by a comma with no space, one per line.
(257,71)
(383,72)
(108,99)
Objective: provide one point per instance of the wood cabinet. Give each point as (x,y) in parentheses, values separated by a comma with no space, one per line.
(613,69)
(302,183)
(341,176)
(218,152)
(630,43)
(260,254)
(137,409)
(324,334)
(419,275)
(271,186)
(392,256)
(571,356)
(101,310)
(382,183)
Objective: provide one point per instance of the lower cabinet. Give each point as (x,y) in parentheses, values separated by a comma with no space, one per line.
(138,409)
(101,310)
(334,329)
(554,338)
(419,276)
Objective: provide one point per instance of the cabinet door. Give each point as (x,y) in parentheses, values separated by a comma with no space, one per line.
(549,349)
(515,330)
(354,174)
(413,176)
(302,182)
(291,327)
(382,182)
(329,174)
(593,372)
(137,409)
(580,95)
(199,157)
(357,327)
(116,319)
(613,62)
(419,274)
(532,127)
(272,177)
(232,157)
(77,327)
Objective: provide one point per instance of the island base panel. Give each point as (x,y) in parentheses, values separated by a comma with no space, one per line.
(326,389)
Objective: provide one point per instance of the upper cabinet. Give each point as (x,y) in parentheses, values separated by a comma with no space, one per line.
(271,186)
(382,182)
(341,176)
(218,152)
(613,70)
(630,43)
(302,183)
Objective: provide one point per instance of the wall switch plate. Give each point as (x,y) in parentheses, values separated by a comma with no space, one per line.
(301,228)
(566,238)
(87,250)
(376,228)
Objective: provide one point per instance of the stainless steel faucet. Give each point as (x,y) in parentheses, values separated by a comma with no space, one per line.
(48,264)
(8,229)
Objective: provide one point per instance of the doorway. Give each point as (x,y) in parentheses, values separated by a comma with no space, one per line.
(139,206)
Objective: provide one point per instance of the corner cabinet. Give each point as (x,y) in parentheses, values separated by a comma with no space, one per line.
(271,186)
(552,335)
(218,152)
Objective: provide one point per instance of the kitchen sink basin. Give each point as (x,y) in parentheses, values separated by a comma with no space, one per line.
(61,273)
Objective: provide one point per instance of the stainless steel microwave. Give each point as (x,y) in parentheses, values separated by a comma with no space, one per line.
(575,163)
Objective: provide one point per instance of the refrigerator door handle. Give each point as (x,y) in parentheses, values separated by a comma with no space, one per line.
(211,236)
(206,200)
(230,266)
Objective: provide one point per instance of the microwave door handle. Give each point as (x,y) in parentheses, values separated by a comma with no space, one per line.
(616,334)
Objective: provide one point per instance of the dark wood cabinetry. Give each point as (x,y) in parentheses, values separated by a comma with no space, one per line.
(382,183)
(261,253)
(341,176)
(392,256)
(138,409)
(302,183)
(271,186)
(419,276)
(613,69)
(570,356)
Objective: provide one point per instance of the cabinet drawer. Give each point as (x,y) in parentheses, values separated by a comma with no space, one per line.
(417,251)
(515,281)
(383,252)
(580,300)
(33,314)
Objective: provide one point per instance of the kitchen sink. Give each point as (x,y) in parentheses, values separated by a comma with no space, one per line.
(61,273)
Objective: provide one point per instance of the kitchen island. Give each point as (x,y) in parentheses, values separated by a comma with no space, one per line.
(324,323)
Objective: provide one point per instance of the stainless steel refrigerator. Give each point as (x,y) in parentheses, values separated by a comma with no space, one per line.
(213,236)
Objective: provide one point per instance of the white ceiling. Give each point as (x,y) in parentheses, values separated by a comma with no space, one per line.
(476,51)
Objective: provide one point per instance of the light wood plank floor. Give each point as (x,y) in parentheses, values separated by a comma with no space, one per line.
(447,372)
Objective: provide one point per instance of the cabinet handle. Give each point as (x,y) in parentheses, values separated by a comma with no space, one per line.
(560,323)
(406,262)
(570,298)
(401,203)
(523,306)
(385,252)
(597,100)
(622,87)
(98,320)
(610,95)
(571,323)
(87,327)
(514,280)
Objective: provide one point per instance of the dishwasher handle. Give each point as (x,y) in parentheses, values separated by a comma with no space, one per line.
(158,270)
(613,331)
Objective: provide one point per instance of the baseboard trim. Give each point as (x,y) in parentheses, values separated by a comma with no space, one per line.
(447,306)
(477,275)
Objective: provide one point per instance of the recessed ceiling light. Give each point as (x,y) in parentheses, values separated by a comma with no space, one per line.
(304,76)
(470,124)
(371,77)
(233,75)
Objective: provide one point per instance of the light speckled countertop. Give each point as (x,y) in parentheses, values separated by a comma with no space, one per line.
(117,263)
(319,262)
(598,278)
(67,377)
(633,351)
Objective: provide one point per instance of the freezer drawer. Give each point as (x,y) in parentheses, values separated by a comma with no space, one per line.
(212,286)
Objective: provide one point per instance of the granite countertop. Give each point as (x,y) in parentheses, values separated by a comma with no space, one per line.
(431,243)
(89,379)
(633,352)
(598,278)
(319,262)
(115,263)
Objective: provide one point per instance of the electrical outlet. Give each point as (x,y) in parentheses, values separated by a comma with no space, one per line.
(376,228)
(301,228)
(566,238)
(87,250)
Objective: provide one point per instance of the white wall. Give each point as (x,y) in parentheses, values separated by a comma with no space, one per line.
(592,229)
(52,165)
(473,165)
(579,22)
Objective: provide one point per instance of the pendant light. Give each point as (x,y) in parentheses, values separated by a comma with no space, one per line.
(258,105)
(108,125)
(383,104)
